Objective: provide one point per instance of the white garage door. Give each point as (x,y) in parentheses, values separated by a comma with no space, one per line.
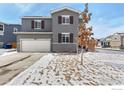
(38,45)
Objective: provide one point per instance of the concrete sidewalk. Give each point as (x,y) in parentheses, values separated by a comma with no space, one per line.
(15,64)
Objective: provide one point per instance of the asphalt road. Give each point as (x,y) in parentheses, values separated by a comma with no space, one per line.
(110,51)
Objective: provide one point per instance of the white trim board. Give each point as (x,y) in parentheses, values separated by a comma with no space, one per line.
(60,9)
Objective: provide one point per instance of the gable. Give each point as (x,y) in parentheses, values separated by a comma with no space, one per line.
(65,9)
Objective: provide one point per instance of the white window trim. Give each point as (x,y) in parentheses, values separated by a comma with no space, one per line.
(62,38)
(2,32)
(15,29)
(65,22)
(40,24)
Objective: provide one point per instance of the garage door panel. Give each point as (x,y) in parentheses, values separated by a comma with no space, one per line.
(35,45)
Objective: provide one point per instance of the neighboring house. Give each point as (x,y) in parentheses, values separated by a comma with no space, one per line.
(114,41)
(6,33)
(105,42)
(98,42)
(117,40)
(49,34)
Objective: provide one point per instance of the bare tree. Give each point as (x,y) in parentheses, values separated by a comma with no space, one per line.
(85,41)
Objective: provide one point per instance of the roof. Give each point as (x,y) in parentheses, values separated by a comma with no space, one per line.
(63,8)
(119,33)
(46,17)
(8,23)
(2,23)
(27,33)
(15,24)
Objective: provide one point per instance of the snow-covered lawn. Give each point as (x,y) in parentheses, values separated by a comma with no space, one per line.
(107,58)
(60,69)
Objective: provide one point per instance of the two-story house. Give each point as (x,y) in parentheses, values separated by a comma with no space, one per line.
(6,33)
(49,34)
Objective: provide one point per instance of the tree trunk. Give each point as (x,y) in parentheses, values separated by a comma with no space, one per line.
(82,55)
(77,48)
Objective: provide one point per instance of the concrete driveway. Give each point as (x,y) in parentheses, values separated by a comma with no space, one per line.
(12,65)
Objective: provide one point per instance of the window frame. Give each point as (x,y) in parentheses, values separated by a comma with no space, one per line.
(37,28)
(65,18)
(15,29)
(64,37)
(2,31)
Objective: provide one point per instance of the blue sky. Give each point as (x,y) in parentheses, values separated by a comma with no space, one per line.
(106,18)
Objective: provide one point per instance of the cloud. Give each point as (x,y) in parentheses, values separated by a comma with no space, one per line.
(24,7)
(103,27)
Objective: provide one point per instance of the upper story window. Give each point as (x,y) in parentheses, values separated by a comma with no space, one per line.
(15,29)
(65,19)
(1,27)
(38,24)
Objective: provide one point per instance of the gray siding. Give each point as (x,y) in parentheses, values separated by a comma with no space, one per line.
(8,36)
(26,24)
(31,37)
(1,38)
(59,28)
(64,48)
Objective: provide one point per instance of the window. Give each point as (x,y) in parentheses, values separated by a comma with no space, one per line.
(15,29)
(1,27)
(37,24)
(65,37)
(65,19)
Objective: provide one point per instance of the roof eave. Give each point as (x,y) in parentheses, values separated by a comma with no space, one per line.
(32,17)
(57,10)
(30,33)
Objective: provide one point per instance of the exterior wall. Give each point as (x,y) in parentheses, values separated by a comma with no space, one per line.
(1,35)
(64,48)
(1,38)
(30,37)
(26,24)
(115,41)
(8,36)
(122,42)
(59,28)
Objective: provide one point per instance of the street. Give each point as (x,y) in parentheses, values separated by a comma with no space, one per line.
(110,51)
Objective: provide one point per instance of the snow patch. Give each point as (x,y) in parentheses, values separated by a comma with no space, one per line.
(8,53)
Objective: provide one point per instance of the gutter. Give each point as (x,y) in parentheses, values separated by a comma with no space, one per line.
(27,33)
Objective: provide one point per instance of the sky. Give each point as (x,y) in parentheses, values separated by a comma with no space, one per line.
(106,18)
